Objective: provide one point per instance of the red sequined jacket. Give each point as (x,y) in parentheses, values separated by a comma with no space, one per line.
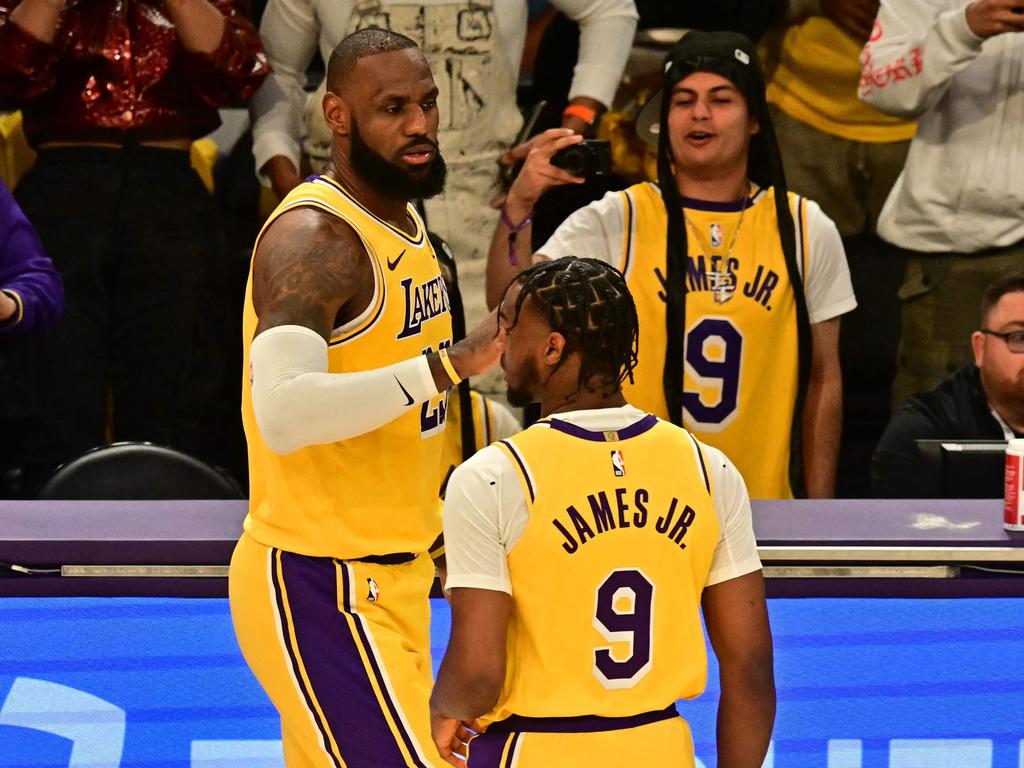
(116,71)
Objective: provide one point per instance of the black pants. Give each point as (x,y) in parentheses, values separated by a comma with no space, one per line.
(145,342)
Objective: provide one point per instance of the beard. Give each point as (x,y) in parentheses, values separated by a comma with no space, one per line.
(521,393)
(393,181)
(518,398)
(1004,390)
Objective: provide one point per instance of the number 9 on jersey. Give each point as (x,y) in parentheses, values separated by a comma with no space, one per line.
(624,614)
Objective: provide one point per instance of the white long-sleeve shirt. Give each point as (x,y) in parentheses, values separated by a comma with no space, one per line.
(292,30)
(962,189)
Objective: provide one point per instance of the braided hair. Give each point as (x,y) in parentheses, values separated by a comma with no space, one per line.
(588,303)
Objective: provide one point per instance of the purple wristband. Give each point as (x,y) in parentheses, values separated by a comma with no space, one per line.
(513,232)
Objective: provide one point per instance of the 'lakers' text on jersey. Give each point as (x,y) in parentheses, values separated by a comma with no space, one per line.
(740,359)
(607,575)
(376,493)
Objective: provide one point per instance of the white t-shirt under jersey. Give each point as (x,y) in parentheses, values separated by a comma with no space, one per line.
(485,512)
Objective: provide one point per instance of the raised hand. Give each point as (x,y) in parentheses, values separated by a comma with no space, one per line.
(854,16)
(993,17)
(480,350)
(538,175)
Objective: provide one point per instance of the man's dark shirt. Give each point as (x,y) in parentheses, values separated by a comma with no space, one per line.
(955,410)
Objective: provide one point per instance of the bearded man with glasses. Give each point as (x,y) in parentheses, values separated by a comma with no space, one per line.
(983,401)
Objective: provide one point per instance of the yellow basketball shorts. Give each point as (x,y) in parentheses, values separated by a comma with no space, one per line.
(651,740)
(343,650)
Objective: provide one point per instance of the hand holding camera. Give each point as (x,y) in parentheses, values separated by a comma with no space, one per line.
(588,159)
(554,158)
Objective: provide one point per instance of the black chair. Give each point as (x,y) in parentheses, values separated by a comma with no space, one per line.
(138,471)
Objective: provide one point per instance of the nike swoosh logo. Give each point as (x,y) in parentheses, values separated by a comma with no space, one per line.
(393,264)
(408,397)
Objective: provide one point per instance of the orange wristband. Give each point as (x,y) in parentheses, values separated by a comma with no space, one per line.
(586,114)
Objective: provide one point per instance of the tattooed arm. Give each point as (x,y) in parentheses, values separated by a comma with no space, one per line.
(310,269)
(311,273)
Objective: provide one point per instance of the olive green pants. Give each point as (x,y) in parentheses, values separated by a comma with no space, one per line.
(850,180)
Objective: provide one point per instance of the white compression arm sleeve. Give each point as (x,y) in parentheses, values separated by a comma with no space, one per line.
(298,403)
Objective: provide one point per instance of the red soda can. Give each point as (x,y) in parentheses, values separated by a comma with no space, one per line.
(1013,497)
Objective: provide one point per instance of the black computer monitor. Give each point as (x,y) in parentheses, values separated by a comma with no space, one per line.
(960,469)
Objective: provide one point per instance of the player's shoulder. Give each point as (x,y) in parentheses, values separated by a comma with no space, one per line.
(313,219)
(311,241)
(685,439)
(489,463)
(309,233)
(719,466)
(306,265)
(729,489)
(716,458)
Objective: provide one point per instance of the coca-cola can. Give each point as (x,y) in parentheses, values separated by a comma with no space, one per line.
(1013,497)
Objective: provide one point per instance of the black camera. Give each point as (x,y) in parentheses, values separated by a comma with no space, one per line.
(589,158)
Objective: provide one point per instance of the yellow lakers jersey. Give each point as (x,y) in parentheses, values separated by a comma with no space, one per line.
(608,574)
(741,360)
(376,493)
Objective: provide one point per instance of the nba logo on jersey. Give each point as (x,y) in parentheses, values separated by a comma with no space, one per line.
(716,235)
(618,465)
(374,590)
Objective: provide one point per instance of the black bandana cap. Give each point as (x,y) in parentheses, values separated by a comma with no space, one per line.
(729,54)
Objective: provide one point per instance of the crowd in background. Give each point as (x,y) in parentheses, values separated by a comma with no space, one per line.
(903,121)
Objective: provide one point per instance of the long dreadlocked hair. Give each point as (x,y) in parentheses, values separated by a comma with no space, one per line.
(587,302)
(764,168)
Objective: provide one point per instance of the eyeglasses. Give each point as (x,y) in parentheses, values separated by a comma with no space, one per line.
(1014,339)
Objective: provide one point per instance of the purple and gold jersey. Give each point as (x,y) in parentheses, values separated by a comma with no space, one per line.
(608,574)
(741,361)
(375,493)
